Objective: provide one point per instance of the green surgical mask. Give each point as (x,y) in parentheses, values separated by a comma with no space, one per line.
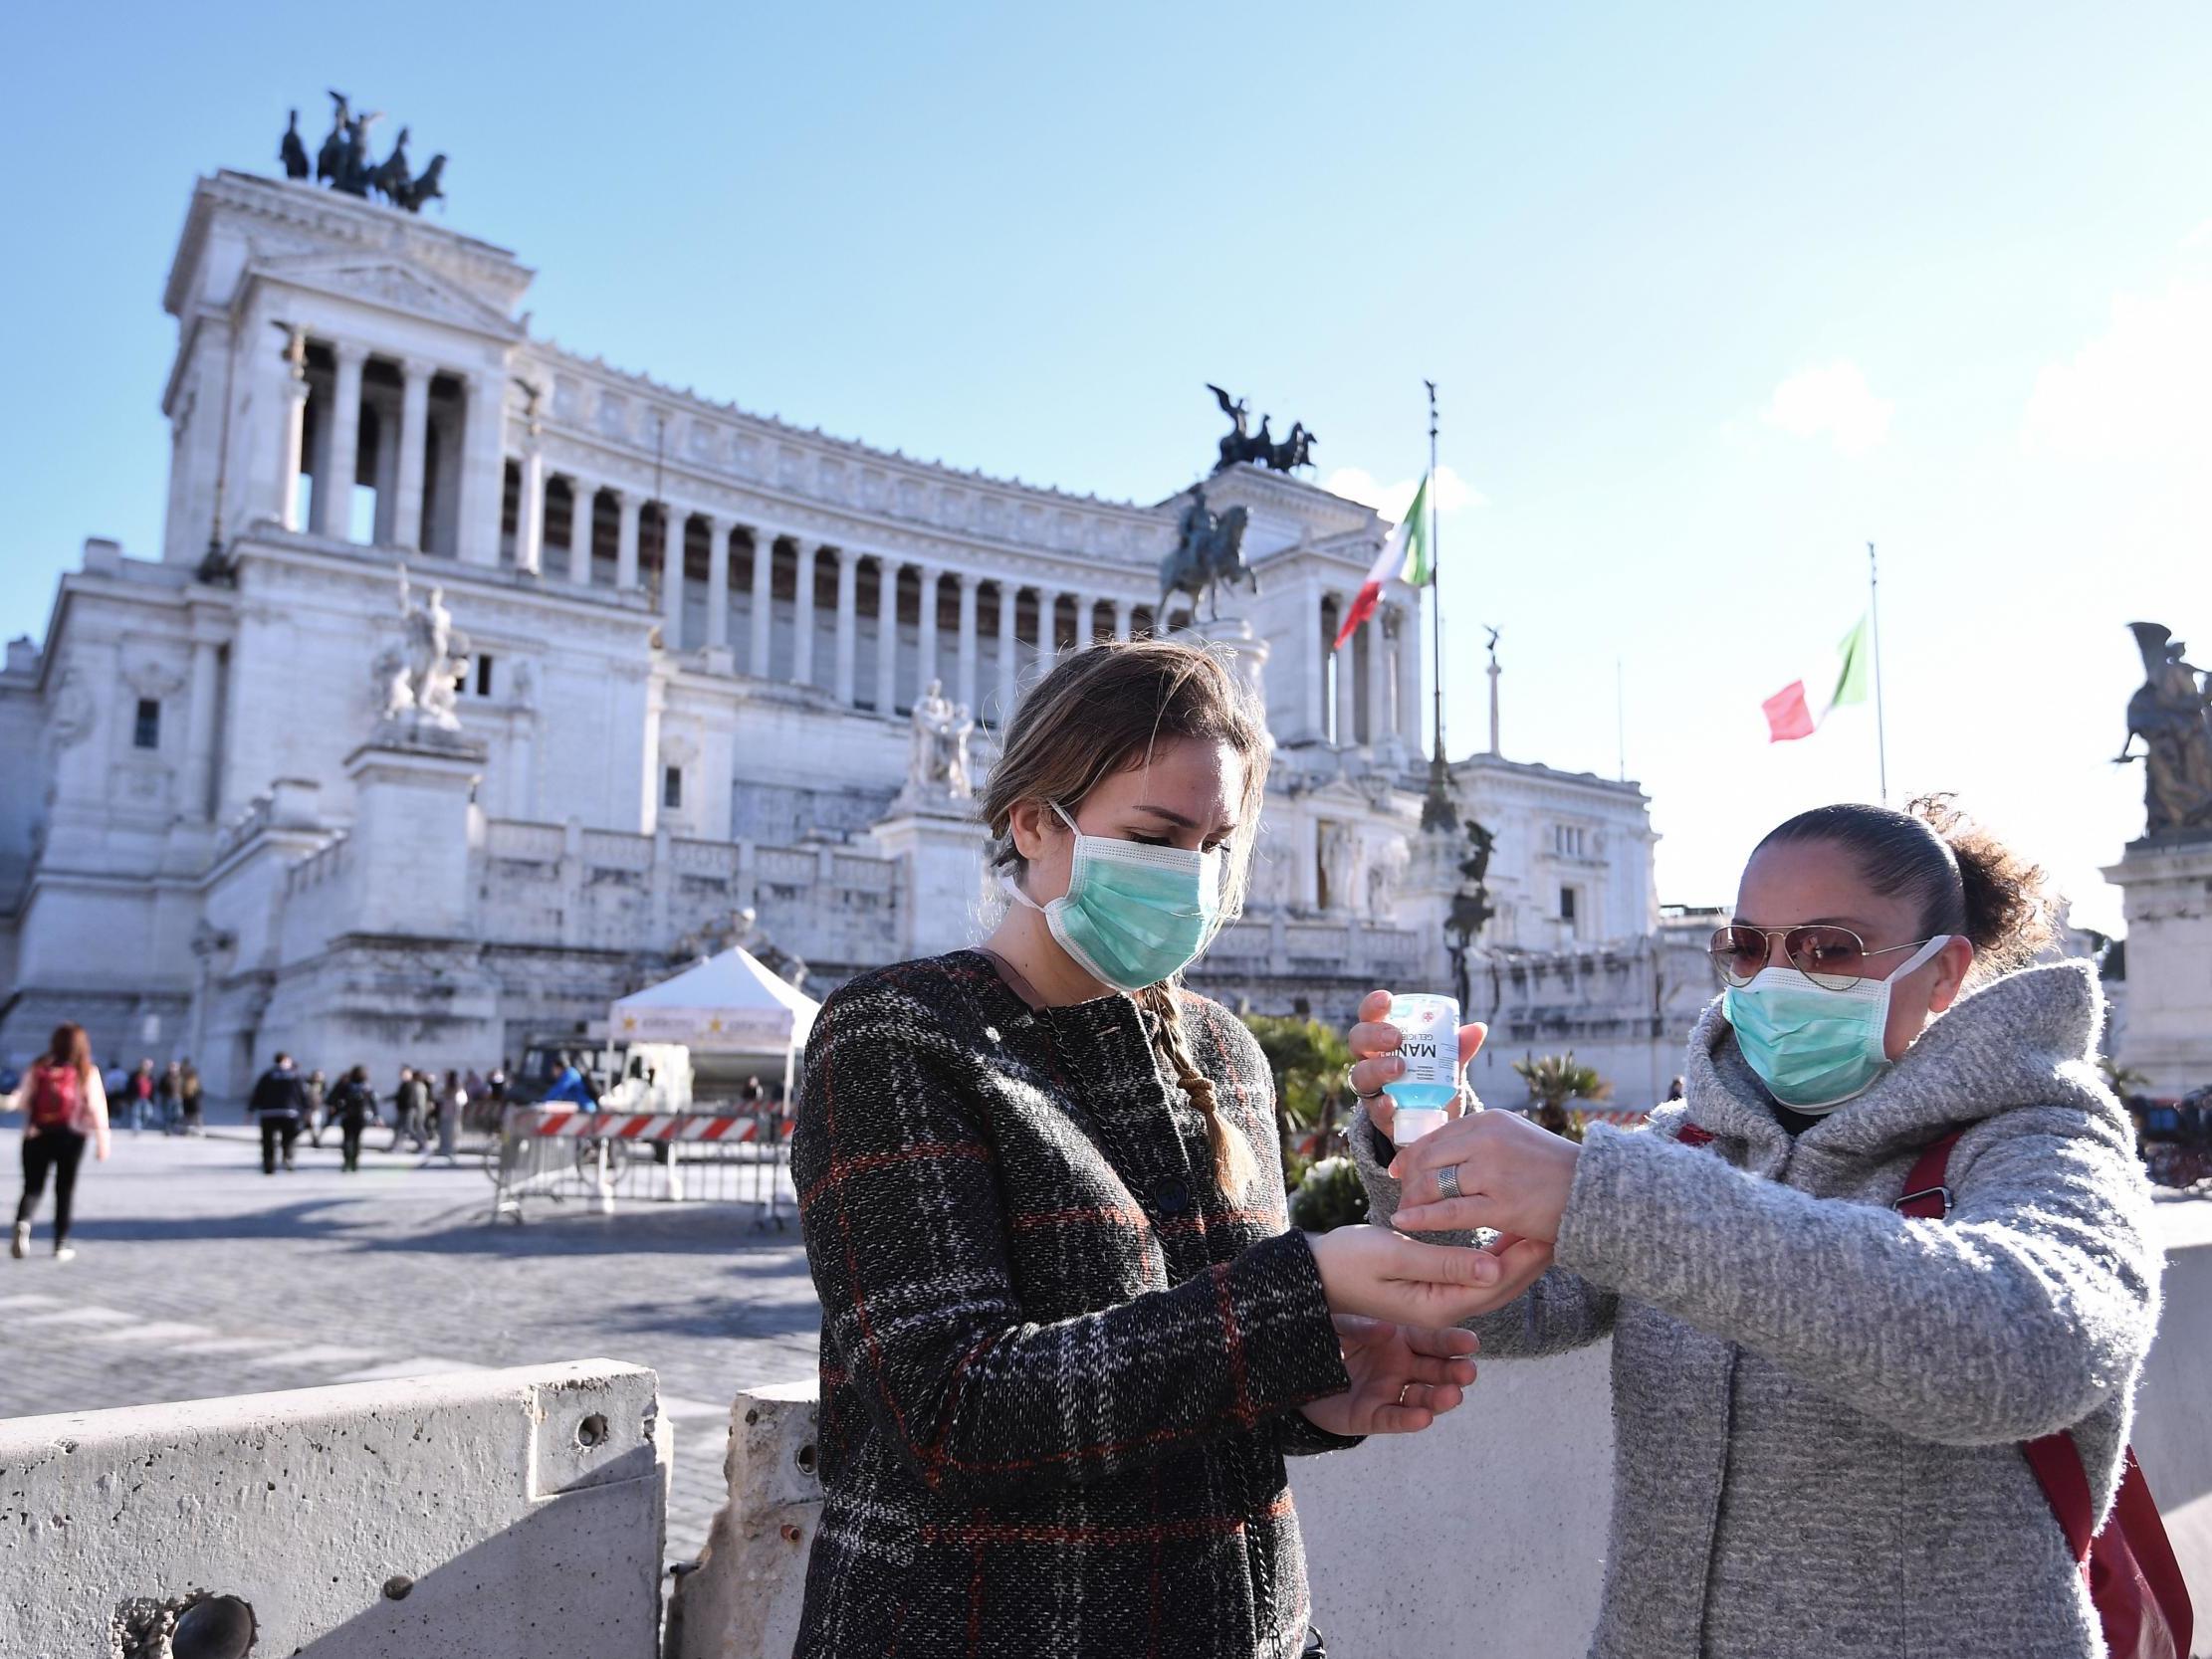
(1814,1047)
(1132,915)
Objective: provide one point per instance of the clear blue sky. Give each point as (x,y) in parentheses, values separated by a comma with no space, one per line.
(1715,293)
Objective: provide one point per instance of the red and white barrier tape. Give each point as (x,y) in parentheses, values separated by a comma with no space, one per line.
(651,1125)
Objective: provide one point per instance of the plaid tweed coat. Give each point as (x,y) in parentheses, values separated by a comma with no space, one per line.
(1059,1368)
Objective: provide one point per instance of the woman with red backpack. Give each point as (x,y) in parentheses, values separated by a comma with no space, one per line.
(1879,1286)
(66,1105)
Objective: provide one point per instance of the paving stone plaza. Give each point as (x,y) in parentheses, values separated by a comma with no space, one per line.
(200,1276)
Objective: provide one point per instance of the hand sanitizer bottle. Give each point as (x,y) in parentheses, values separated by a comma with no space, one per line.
(1430,1046)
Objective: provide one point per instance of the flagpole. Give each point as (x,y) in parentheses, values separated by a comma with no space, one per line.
(1437,810)
(1436,569)
(1873,613)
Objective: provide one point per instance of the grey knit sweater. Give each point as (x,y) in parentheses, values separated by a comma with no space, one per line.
(1818,1402)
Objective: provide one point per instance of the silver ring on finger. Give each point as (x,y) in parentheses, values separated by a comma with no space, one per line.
(1355,1088)
(1447,1181)
(1403,1390)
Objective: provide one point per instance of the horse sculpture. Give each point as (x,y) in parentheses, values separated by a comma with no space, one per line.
(1240,443)
(1210,556)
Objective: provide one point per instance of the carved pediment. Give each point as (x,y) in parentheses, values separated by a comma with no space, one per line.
(393,285)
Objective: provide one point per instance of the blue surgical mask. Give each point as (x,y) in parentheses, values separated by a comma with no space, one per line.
(1816,1048)
(1132,915)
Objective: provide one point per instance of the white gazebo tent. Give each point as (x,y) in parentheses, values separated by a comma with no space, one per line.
(728,1004)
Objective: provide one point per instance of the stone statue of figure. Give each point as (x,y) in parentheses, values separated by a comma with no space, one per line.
(1344,861)
(1383,872)
(2171,712)
(290,152)
(433,659)
(937,762)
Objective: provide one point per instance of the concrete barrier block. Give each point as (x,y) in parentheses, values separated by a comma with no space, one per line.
(1484,1537)
(741,1600)
(502,1514)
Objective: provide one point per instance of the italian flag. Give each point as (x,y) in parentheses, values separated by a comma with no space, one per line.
(1788,715)
(1406,557)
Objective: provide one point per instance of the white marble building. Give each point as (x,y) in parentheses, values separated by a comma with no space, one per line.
(695,637)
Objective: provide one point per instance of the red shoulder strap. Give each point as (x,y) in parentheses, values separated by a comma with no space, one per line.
(1927,1192)
(1689,1135)
(2057,1462)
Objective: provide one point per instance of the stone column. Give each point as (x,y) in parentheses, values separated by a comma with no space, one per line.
(1086,621)
(675,520)
(1379,726)
(1409,672)
(718,582)
(199,731)
(1347,686)
(1122,616)
(963,686)
(802,615)
(627,508)
(295,431)
(1008,596)
(530,526)
(1313,664)
(1049,632)
(886,634)
(586,495)
(334,487)
(387,467)
(414,445)
(925,630)
(481,468)
(763,600)
(848,622)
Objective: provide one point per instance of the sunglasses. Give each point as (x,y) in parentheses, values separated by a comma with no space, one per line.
(1833,957)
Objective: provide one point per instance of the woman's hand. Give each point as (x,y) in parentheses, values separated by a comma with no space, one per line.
(1387,1276)
(1404,1377)
(1374,1044)
(1511,1176)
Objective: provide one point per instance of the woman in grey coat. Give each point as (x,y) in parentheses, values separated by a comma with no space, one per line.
(1820,1402)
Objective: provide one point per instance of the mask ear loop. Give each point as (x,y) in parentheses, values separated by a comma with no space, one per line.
(1010,884)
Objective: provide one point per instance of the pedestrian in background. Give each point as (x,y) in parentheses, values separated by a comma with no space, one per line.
(408,1102)
(66,1104)
(279,1101)
(352,1109)
(168,1096)
(317,1091)
(453,1099)
(138,1089)
(570,1087)
(189,1095)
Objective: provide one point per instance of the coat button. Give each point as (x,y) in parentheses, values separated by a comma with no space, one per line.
(1171,1196)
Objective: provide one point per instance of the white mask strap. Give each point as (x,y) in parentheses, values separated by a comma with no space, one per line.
(1921,956)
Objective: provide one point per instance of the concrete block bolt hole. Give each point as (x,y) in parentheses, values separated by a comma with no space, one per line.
(197,1626)
(593,1431)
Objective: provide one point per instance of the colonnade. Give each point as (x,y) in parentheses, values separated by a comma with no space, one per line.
(799,609)
(428,440)
(424,437)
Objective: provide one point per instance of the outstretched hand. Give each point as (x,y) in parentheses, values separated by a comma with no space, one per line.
(1511,1176)
(1374,1043)
(1404,1377)
(1385,1275)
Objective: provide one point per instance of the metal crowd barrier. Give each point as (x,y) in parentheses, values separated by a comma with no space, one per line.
(710,1154)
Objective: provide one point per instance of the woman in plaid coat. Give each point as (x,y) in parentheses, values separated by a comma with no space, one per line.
(1068,1339)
